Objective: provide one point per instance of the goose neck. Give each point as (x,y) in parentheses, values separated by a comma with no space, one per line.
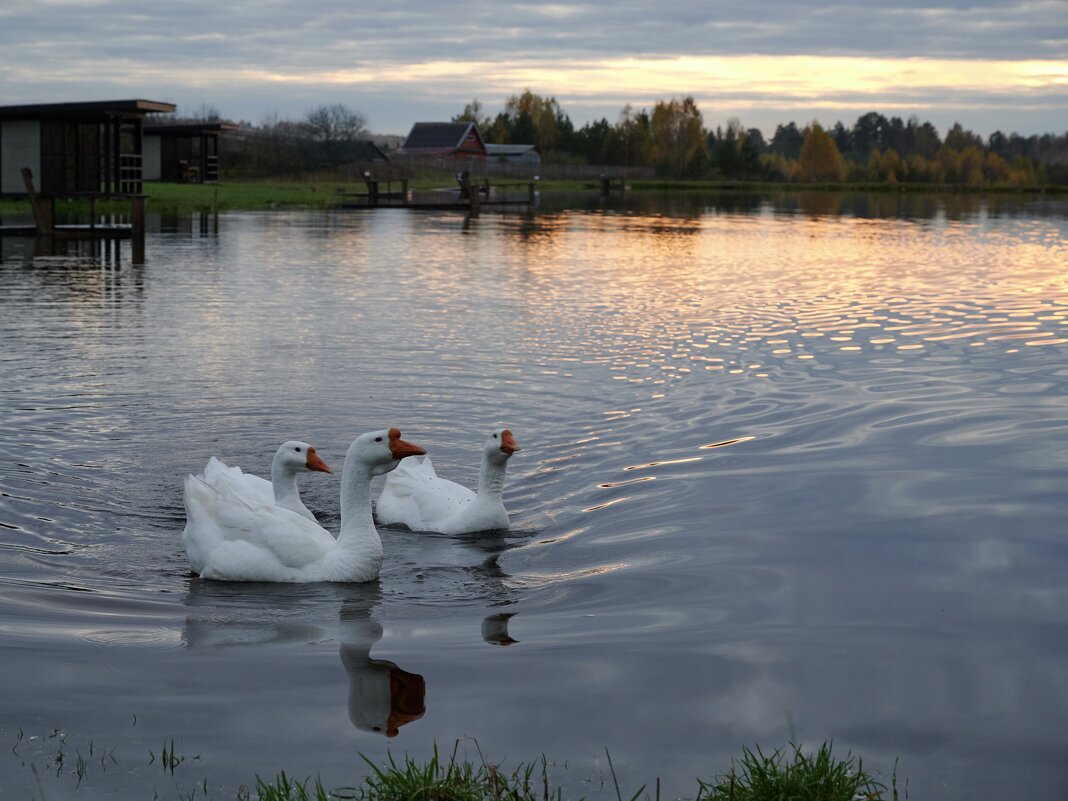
(356,515)
(284,482)
(491,478)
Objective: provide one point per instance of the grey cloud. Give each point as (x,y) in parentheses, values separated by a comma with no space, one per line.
(147,41)
(411,30)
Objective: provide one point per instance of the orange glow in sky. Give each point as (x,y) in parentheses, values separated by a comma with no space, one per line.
(817,81)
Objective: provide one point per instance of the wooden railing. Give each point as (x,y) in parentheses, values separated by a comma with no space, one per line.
(130,174)
(211,169)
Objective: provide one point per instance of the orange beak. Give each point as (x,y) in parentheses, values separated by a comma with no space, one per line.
(399,448)
(508,443)
(315,463)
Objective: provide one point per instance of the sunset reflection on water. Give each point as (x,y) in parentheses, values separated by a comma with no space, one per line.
(662,296)
(787,457)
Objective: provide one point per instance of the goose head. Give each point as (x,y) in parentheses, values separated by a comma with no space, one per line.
(382,450)
(500,445)
(296,456)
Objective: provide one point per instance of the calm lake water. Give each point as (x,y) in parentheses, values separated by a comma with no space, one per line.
(793,468)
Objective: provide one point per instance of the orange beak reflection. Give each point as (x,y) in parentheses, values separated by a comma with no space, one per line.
(508,443)
(399,448)
(315,463)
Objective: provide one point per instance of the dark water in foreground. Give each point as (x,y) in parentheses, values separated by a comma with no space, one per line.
(792,469)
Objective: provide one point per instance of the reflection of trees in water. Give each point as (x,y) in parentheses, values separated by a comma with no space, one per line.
(682,204)
(675,203)
(819,203)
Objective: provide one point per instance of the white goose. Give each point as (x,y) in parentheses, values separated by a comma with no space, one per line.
(415,496)
(291,458)
(233,538)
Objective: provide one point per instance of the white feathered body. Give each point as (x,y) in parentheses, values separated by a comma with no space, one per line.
(416,496)
(233,533)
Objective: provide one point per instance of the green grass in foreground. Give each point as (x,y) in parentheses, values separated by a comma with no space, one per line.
(781,776)
(819,777)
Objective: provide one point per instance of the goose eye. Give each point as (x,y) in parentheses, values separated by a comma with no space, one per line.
(297,450)
(495,436)
(378,439)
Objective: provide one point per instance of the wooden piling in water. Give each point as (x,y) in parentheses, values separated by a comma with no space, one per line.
(48,232)
(611,183)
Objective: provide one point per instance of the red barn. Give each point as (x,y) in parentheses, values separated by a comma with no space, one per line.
(444,139)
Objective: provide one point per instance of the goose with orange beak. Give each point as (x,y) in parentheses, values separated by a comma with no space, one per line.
(237,539)
(291,459)
(415,496)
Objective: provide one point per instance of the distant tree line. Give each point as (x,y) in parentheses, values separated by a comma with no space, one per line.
(674,140)
(327,136)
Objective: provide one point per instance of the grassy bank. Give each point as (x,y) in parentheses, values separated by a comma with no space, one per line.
(321,192)
(786,773)
(325,191)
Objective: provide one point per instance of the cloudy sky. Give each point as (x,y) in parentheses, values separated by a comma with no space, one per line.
(990,65)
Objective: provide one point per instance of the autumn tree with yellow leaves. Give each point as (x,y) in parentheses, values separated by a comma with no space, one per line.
(820,160)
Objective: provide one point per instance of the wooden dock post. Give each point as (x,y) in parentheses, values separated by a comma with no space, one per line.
(137,234)
(609,183)
(472,194)
(372,189)
(44,208)
(49,233)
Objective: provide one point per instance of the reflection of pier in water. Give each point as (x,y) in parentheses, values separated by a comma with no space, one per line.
(51,237)
(22,242)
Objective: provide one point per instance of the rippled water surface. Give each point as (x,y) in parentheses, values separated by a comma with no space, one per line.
(792,469)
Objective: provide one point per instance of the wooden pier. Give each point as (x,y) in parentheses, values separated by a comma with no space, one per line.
(376,196)
(470,195)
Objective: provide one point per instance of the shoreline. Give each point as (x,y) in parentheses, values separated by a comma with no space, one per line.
(325,192)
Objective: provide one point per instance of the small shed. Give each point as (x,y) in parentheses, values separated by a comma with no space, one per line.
(444,139)
(520,154)
(94,147)
(186,152)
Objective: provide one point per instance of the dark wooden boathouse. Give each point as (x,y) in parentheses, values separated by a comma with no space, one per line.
(184,153)
(90,148)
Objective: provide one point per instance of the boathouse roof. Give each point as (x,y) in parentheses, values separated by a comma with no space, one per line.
(86,148)
(90,110)
(521,153)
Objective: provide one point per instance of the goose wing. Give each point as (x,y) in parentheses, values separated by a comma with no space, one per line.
(219,518)
(415,495)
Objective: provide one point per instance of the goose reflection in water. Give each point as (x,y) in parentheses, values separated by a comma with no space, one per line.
(382,696)
(493,578)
